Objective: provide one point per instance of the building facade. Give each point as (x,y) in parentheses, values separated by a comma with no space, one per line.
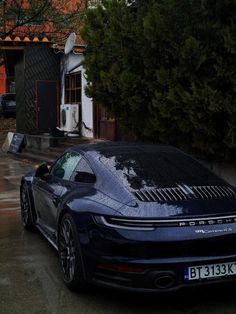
(73,92)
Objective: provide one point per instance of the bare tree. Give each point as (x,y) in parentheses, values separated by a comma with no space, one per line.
(53,18)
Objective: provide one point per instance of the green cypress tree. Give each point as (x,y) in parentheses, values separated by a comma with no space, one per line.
(166,70)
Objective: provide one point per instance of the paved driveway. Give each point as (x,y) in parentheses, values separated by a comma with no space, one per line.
(30,279)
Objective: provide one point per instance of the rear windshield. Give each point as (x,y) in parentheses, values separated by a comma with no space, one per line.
(9,97)
(141,170)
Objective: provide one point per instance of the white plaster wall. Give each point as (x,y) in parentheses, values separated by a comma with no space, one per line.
(67,64)
(87,109)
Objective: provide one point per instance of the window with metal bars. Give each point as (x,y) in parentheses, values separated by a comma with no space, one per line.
(73,88)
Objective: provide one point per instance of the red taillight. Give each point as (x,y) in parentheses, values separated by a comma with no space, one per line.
(122,268)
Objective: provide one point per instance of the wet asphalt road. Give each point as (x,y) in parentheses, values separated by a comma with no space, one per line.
(30,279)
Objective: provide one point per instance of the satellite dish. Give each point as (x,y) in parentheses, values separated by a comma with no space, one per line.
(70,43)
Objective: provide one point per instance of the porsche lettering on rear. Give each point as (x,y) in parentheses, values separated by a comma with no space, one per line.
(207,222)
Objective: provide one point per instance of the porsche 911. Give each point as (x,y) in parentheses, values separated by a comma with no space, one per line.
(130,216)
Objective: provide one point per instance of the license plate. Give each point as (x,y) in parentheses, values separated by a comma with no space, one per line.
(209,271)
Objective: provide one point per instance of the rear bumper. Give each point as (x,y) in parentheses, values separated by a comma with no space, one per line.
(155,260)
(156,277)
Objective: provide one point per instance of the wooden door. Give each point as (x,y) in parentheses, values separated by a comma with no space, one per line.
(47,105)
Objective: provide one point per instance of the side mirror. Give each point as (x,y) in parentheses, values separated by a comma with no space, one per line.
(42,171)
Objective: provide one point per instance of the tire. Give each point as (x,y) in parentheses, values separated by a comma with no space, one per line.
(70,255)
(26,214)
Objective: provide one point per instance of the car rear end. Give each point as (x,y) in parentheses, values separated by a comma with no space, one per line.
(180,229)
(8,105)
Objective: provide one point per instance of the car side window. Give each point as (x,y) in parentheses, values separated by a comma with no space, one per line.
(83,173)
(65,165)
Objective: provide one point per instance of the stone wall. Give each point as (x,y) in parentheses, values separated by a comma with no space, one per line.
(225,170)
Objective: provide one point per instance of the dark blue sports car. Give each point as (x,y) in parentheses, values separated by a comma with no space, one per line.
(133,216)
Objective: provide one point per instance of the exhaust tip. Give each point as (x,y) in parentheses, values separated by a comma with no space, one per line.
(164,281)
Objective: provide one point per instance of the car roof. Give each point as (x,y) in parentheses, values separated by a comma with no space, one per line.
(163,164)
(8,96)
(113,147)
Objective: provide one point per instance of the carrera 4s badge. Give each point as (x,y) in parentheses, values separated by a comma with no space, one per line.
(213,231)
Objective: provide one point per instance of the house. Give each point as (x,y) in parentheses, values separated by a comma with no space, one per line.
(50,85)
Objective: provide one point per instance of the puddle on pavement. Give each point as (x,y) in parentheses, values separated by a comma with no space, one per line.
(5,185)
(7,205)
(11,172)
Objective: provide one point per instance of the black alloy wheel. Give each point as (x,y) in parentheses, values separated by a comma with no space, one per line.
(26,214)
(70,255)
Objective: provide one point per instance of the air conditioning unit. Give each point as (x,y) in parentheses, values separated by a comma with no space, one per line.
(69,117)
